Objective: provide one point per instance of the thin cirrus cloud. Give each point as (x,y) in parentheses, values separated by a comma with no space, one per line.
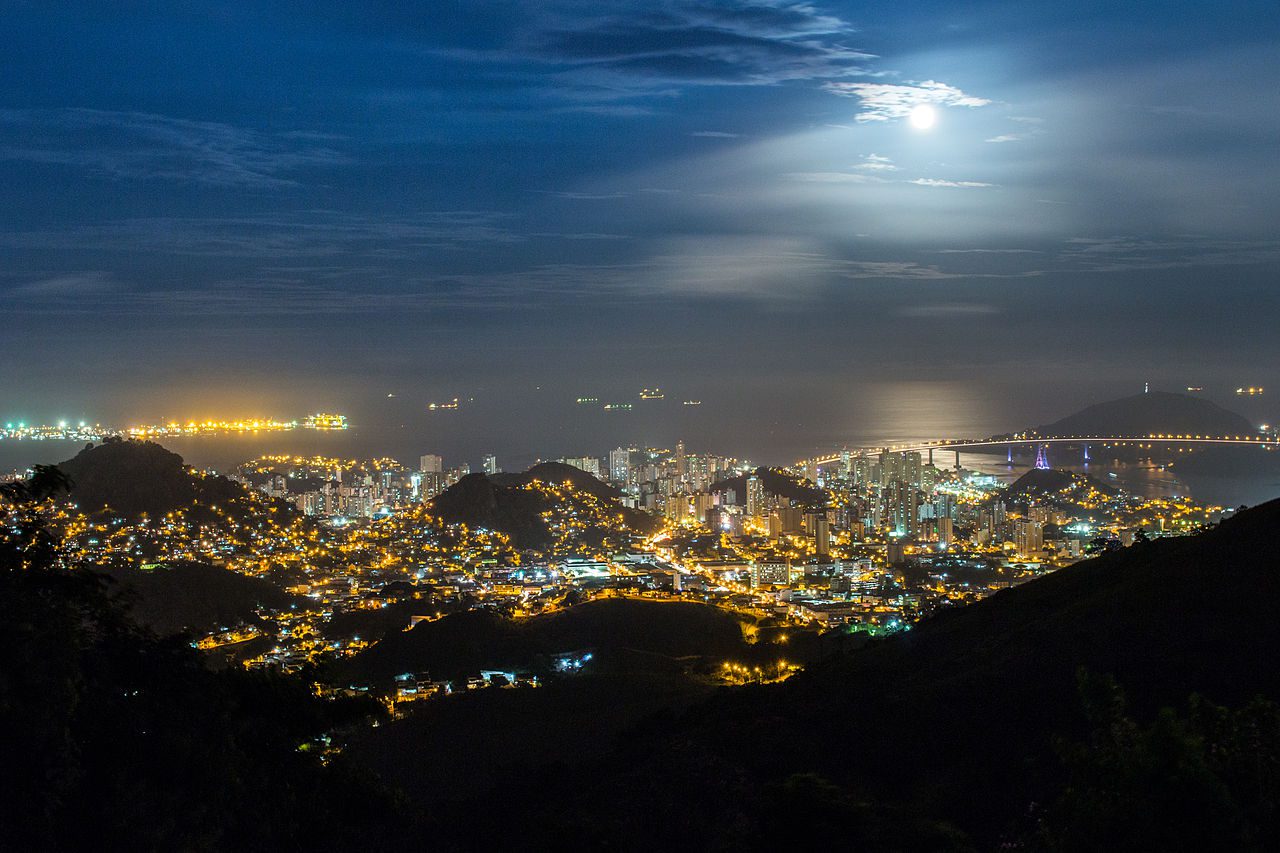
(1032,127)
(283,236)
(144,146)
(66,285)
(876,163)
(833,178)
(938,182)
(756,42)
(888,101)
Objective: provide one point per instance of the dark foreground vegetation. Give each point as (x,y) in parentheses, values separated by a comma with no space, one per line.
(116,739)
(1124,703)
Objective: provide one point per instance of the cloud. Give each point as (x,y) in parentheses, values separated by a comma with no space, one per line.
(282,237)
(756,267)
(751,42)
(938,182)
(583,196)
(65,285)
(886,101)
(1120,253)
(989,251)
(714,134)
(876,163)
(833,178)
(909,270)
(1031,127)
(146,146)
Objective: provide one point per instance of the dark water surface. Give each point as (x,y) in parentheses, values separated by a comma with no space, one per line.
(775,424)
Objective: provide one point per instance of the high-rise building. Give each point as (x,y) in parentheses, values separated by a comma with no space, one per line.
(785,519)
(310,503)
(755,497)
(930,476)
(946,530)
(902,505)
(777,573)
(682,464)
(619,465)
(822,535)
(677,508)
(890,468)
(703,502)
(862,471)
(911,468)
(590,464)
(1028,537)
(429,463)
(491,464)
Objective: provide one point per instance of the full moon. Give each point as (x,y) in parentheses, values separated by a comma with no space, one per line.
(923,117)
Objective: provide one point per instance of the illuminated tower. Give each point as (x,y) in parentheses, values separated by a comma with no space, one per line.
(1042,457)
(755,497)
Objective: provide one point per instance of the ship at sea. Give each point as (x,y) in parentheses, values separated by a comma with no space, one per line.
(322,420)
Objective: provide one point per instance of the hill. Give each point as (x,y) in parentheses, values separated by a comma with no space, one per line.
(116,740)
(1046,482)
(775,482)
(558,472)
(195,597)
(464,643)
(953,729)
(480,739)
(134,478)
(648,658)
(538,511)
(1154,412)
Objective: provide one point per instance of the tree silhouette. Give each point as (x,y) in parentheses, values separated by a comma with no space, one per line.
(113,738)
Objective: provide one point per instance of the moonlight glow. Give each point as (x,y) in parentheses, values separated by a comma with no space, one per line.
(923,117)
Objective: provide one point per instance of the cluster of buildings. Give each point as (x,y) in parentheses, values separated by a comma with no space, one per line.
(872,541)
(350,489)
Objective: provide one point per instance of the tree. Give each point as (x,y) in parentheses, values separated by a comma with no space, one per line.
(1204,779)
(113,738)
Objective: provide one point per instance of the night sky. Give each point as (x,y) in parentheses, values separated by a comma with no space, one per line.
(245,208)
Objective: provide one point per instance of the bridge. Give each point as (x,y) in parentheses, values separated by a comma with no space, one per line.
(1269,441)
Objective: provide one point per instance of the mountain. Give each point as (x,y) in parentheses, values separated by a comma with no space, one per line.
(464,643)
(963,711)
(537,511)
(134,478)
(648,658)
(559,472)
(195,597)
(114,739)
(775,482)
(1043,482)
(952,732)
(1154,412)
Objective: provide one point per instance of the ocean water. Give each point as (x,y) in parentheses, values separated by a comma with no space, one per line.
(774,424)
